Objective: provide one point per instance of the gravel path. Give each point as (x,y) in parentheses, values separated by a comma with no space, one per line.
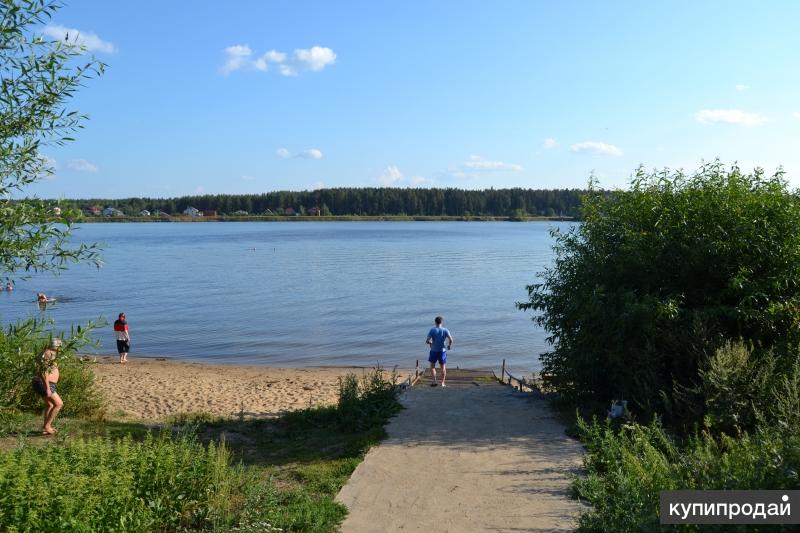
(467,458)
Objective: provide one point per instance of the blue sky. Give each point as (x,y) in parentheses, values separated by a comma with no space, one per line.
(254,96)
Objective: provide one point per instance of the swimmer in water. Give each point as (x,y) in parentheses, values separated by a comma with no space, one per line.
(41,298)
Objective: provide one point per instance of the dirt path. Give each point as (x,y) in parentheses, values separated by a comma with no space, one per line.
(466,458)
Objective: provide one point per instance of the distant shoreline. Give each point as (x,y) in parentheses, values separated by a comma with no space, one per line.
(344,218)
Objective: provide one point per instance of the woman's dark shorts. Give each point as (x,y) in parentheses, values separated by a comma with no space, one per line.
(123,346)
(38,386)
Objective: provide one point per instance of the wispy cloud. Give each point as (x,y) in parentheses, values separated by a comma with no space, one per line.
(316,185)
(480,164)
(248,178)
(391,176)
(311,153)
(236,57)
(595,147)
(550,143)
(742,87)
(81,165)
(240,57)
(796,115)
(729,116)
(82,39)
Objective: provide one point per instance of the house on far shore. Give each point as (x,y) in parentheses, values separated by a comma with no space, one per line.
(161,214)
(192,212)
(240,213)
(289,212)
(144,213)
(210,213)
(269,212)
(112,212)
(314,212)
(92,211)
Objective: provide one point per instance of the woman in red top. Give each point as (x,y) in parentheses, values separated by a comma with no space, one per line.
(123,337)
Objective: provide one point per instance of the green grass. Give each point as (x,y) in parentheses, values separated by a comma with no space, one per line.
(237,475)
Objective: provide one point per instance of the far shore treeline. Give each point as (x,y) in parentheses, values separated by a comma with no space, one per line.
(370,201)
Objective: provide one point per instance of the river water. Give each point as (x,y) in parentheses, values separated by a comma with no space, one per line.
(305,293)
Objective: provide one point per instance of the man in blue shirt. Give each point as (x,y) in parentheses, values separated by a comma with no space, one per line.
(437,337)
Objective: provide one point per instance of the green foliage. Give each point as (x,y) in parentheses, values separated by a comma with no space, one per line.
(37,78)
(21,346)
(658,277)
(104,485)
(627,469)
(365,402)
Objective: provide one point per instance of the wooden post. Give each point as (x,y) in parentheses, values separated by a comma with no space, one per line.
(503,371)
(416,369)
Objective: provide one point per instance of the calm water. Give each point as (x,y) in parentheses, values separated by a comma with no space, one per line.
(305,294)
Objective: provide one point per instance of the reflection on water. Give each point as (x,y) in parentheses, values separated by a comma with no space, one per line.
(302,294)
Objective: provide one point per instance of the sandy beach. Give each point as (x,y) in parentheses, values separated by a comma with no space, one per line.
(153,388)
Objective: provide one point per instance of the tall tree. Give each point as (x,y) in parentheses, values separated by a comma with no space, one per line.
(37,78)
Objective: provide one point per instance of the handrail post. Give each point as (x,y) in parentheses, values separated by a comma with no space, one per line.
(416,369)
(503,371)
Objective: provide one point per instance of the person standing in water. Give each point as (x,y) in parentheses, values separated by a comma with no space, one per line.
(123,337)
(44,383)
(437,337)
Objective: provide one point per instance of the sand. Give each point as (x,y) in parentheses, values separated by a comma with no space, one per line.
(479,457)
(150,389)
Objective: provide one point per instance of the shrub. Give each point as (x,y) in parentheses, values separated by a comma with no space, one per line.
(658,277)
(105,485)
(627,469)
(21,345)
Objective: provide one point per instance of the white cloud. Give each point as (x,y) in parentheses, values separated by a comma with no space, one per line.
(248,178)
(82,39)
(236,57)
(418,181)
(81,165)
(480,164)
(742,87)
(729,116)
(796,115)
(316,185)
(316,58)
(391,176)
(595,147)
(550,143)
(311,153)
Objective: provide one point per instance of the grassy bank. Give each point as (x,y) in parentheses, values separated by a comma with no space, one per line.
(196,472)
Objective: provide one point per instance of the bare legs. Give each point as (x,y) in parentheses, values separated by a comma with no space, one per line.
(433,373)
(52,405)
(123,357)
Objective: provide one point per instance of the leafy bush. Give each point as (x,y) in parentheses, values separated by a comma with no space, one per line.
(21,346)
(628,468)
(105,485)
(659,276)
(368,401)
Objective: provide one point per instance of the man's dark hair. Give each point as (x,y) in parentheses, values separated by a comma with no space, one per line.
(438,320)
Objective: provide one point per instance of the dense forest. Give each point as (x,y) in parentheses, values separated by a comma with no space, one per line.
(363,201)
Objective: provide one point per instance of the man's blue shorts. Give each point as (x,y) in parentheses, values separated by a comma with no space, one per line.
(438,357)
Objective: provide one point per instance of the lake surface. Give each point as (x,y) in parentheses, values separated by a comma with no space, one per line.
(305,293)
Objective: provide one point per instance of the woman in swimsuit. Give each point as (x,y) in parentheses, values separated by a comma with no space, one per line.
(45,385)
